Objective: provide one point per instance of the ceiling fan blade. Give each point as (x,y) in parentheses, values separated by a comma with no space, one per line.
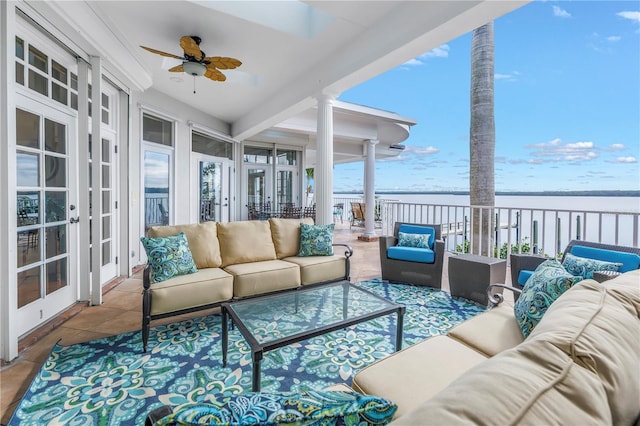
(177,68)
(222,63)
(161,53)
(214,74)
(191,48)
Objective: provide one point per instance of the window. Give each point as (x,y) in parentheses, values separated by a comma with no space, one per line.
(211,146)
(157,130)
(257,155)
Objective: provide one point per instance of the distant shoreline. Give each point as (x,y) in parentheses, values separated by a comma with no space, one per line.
(523,193)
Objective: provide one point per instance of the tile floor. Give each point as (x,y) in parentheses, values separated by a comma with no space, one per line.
(121,312)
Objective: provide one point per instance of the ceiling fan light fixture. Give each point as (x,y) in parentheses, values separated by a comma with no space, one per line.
(194,68)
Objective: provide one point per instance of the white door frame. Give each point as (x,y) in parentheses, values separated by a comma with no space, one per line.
(225,202)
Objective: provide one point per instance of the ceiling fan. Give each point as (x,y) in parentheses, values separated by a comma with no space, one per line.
(196,63)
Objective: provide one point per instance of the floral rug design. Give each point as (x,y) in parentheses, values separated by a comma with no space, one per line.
(110,381)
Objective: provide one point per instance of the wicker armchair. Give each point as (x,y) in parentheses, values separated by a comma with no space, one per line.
(417,273)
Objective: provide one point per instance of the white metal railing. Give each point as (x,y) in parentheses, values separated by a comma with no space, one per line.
(543,231)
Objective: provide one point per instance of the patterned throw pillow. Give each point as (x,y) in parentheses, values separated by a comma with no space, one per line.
(585,267)
(316,240)
(547,283)
(414,240)
(310,407)
(168,257)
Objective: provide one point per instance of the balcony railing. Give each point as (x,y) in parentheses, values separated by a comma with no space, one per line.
(513,229)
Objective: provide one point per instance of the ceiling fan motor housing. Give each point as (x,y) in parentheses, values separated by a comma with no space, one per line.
(194,68)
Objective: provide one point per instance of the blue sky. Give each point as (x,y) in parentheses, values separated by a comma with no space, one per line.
(567,105)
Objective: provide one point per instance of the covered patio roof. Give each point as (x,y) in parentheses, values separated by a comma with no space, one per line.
(291,52)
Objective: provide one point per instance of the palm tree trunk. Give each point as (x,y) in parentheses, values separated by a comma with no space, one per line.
(482,139)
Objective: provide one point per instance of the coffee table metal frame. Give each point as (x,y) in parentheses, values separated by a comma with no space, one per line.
(258,349)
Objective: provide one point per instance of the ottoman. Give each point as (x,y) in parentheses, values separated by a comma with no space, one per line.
(470,276)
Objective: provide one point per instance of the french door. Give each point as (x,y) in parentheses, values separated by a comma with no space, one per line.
(210,178)
(46,200)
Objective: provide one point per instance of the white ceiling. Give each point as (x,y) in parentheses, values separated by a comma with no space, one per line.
(291,51)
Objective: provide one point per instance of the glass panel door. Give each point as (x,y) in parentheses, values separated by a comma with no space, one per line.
(45,197)
(212,184)
(156,188)
(108,215)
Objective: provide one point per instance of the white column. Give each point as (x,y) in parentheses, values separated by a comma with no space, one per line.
(96,180)
(369,189)
(323,173)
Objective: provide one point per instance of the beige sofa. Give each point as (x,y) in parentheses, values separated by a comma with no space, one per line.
(237,260)
(580,365)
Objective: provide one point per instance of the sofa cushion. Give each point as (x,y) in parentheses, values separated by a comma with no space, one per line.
(207,286)
(491,332)
(415,374)
(547,283)
(598,326)
(286,235)
(534,383)
(411,254)
(316,240)
(414,240)
(168,257)
(630,261)
(523,276)
(202,238)
(419,229)
(263,277)
(307,407)
(245,241)
(585,267)
(318,269)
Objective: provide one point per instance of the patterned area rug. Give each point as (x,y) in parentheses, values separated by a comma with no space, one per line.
(110,381)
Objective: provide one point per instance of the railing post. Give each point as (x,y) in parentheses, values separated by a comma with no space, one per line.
(535,237)
(578,229)
(559,236)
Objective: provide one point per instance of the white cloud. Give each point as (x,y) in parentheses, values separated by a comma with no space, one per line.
(560,12)
(613,39)
(557,151)
(413,152)
(633,16)
(441,51)
(625,160)
(616,147)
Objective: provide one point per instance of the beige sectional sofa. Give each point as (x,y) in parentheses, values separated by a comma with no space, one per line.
(237,260)
(580,365)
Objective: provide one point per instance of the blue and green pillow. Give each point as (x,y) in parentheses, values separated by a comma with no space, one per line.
(316,240)
(547,284)
(168,257)
(585,267)
(300,408)
(414,240)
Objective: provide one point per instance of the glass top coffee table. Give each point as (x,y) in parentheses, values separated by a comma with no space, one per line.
(280,319)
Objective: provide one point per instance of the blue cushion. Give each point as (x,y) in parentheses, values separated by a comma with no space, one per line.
(316,240)
(585,267)
(630,261)
(547,283)
(309,408)
(523,276)
(418,229)
(168,257)
(412,254)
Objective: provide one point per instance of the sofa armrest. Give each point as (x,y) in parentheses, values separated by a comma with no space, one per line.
(347,264)
(387,241)
(497,298)
(523,262)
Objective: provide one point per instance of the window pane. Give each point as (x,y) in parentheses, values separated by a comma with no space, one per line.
(74,82)
(106,201)
(38,82)
(55,172)
(106,227)
(157,130)
(27,129)
(105,116)
(28,169)
(28,207)
(287,158)
(28,247)
(19,73)
(106,253)
(19,48)
(59,93)
(58,72)
(56,241)
(106,176)
(211,146)
(74,101)
(106,150)
(38,59)
(156,188)
(55,206)
(56,275)
(257,155)
(28,286)
(55,136)
(285,187)
(105,101)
